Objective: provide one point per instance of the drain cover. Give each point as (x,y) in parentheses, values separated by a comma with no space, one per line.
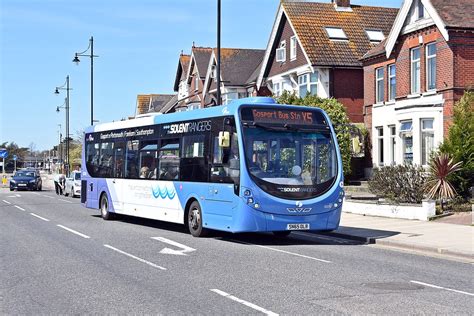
(394,286)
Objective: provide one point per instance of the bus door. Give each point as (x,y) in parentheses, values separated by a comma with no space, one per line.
(92,164)
(224,172)
(118,171)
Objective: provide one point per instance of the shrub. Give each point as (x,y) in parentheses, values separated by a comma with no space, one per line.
(338,116)
(438,186)
(459,144)
(400,183)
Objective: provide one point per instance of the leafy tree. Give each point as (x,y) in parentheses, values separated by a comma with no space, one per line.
(459,144)
(336,112)
(14,149)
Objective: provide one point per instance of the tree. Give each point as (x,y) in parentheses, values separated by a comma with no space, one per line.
(459,144)
(13,149)
(338,116)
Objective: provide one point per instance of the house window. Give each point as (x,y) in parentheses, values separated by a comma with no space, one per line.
(308,83)
(407,141)
(421,10)
(415,70)
(380,145)
(293,42)
(392,82)
(336,33)
(375,36)
(393,144)
(431,66)
(277,89)
(281,52)
(427,140)
(196,82)
(379,86)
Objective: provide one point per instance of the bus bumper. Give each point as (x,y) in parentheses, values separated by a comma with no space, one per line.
(323,221)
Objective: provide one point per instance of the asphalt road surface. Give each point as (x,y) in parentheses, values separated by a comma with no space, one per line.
(58,257)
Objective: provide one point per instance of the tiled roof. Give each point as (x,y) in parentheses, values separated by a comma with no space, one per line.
(238,64)
(169,104)
(158,101)
(455,13)
(309,20)
(376,50)
(143,103)
(202,55)
(181,71)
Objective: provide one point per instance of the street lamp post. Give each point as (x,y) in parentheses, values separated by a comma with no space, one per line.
(65,106)
(91,55)
(218,70)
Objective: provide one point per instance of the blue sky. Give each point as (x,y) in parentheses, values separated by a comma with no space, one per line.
(138,43)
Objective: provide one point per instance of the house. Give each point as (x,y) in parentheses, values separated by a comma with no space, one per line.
(148,103)
(181,86)
(415,76)
(316,48)
(239,71)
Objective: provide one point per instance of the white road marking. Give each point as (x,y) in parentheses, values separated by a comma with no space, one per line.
(134,257)
(44,219)
(442,288)
(20,208)
(6,202)
(73,231)
(18,195)
(287,252)
(248,304)
(49,197)
(35,193)
(65,200)
(12,196)
(176,244)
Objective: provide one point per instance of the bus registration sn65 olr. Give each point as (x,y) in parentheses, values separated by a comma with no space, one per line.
(297,227)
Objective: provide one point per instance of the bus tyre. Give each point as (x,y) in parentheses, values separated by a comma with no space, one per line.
(104,208)
(282,233)
(194,220)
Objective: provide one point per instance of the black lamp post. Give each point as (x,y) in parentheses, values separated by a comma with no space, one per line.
(91,55)
(65,106)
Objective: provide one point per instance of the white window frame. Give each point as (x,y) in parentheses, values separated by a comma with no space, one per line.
(390,77)
(281,51)
(375,36)
(415,79)
(336,33)
(293,47)
(428,72)
(393,144)
(425,156)
(420,11)
(305,80)
(379,95)
(196,82)
(277,88)
(380,149)
(405,134)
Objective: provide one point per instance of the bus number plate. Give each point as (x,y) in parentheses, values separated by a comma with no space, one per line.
(297,226)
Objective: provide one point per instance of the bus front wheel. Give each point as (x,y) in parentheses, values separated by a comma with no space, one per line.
(194,220)
(104,208)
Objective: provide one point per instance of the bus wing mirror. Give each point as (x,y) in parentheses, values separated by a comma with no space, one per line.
(224,139)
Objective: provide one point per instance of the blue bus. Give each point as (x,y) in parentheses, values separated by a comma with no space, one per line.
(250,166)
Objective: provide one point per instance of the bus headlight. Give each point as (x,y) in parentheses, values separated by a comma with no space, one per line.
(247,192)
(257,205)
(250,200)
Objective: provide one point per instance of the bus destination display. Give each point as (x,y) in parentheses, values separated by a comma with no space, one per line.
(282,116)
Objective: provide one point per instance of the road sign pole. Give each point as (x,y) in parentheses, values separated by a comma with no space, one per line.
(3,166)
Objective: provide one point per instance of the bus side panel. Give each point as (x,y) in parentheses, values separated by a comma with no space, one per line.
(92,193)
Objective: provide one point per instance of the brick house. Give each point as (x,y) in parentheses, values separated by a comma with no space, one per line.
(239,71)
(181,86)
(316,48)
(414,77)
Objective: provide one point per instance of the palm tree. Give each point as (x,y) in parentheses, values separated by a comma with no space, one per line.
(440,168)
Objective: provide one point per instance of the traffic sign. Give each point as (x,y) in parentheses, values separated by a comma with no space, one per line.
(3,153)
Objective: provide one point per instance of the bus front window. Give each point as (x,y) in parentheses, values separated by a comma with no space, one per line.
(290,164)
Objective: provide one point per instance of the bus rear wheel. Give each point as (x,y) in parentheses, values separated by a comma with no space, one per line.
(104,208)
(194,220)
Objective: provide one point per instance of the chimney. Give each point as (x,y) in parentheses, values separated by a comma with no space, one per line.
(342,3)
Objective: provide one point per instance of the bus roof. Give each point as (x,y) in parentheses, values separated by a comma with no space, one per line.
(158,118)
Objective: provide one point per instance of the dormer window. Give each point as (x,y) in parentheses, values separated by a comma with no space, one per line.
(421,10)
(375,36)
(281,52)
(336,33)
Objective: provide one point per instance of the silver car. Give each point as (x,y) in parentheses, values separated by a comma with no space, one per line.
(73,184)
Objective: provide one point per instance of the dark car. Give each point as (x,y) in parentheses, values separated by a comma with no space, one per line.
(26,180)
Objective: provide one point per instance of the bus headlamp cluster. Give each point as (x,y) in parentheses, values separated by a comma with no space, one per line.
(248,197)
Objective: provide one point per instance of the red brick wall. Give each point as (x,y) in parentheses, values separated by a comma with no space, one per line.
(277,67)
(348,88)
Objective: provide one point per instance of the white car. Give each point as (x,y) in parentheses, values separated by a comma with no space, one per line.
(73,184)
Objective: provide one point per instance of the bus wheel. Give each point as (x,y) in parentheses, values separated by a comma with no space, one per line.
(104,208)
(195,220)
(283,233)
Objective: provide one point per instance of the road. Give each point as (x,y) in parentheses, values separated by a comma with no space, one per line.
(60,258)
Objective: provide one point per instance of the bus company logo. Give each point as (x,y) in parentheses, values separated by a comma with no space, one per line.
(90,138)
(163,192)
(225,111)
(290,190)
(299,209)
(297,190)
(191,127)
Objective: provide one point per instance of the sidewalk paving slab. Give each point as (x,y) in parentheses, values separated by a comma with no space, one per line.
(431,237)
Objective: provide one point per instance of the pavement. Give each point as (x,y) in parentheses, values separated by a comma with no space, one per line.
(432,238)
(446,239)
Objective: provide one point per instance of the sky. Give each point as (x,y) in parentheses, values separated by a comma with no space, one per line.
(138,43)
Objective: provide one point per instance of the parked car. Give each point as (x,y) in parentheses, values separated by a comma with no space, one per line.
(73,184)
(28,179)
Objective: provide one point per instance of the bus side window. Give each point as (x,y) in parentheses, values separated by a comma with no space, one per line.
(148,159)
(168,160)
(119,153)
(131,160)
(225,161)
(194,164)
